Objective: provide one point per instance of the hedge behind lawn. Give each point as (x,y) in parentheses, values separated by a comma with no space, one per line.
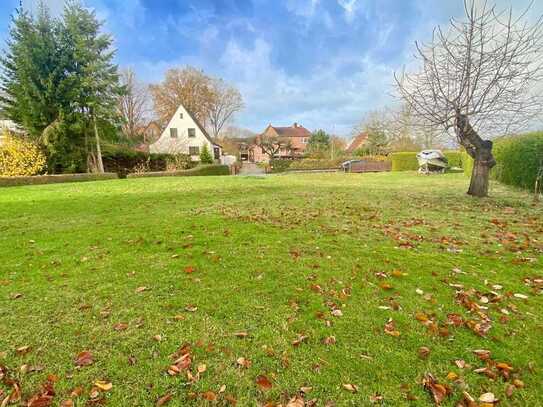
(406,161)
(54,179)
(518,160)
(201,170)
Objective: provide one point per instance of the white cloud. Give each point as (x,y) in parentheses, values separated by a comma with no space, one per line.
(350,7)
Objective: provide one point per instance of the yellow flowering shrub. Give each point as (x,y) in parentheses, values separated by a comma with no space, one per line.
(19,157)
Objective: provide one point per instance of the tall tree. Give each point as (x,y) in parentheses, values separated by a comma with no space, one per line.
(32,80)
(94,76)
(226,102)
(187,86)
(477,78)
(133,104)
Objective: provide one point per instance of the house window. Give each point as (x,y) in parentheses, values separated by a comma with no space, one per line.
(173,133)
(192,133)
(194,150)
(180,115)
(305,140)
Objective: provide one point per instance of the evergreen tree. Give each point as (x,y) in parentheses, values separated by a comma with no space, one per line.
(205,155)
(93,75)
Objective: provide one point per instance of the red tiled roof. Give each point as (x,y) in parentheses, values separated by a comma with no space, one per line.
(357,142)
(294,131)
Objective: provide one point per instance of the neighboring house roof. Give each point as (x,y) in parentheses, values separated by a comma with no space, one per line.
(356,142)
(294,131)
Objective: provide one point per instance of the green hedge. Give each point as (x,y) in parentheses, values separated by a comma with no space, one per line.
(316,164)
(280,165)
(406,161)
(54,179)
(455,158)
(122,160)
(518,160)
(201,170)
(467,164)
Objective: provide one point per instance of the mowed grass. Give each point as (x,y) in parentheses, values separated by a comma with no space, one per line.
(271,257)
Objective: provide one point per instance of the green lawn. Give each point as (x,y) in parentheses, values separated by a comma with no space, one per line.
(288,260)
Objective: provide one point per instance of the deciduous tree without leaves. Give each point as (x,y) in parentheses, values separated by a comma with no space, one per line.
(478,77)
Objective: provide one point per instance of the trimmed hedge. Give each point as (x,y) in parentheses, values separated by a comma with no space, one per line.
(316,164)
(518,160)
(406,161)
(54,179)
(201,170)
(280,165)
(123,160)
(455,158)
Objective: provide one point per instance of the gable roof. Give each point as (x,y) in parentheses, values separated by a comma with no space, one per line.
(293,131)
(202,129)
(357,142)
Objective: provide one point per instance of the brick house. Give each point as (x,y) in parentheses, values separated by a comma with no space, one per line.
(297,136)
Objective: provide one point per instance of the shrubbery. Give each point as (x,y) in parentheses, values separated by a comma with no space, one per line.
(316,164)
(519,160)
(201,170)
(406,161)
(205,155)
(19,157)
(54,179)
(280,165)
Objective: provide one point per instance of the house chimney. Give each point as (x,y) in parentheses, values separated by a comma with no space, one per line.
(295,125)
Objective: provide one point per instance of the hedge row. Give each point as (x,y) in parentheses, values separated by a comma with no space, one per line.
(54,179)
(407,161)
(201,170)
(124,160)
(317,164)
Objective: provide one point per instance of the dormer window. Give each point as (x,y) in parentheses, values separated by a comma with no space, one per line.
(192,133)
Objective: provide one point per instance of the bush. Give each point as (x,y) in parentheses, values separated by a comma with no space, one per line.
(54,179)
(124,160)
(201,170)
(205,155)
(519,160)
(315,164)
(467,164)
(455,158)
(19,157)
(406,161)
(279,165)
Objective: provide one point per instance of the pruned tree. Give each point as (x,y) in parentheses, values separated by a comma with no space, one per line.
(188,86)
(477,78)
(133,104)
(272,145)
(226,102)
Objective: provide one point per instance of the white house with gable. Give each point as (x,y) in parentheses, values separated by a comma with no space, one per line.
(185,135)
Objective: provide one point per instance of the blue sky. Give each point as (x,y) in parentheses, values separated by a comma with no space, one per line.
(322,63)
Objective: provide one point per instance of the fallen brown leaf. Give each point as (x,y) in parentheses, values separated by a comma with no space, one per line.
(263,382)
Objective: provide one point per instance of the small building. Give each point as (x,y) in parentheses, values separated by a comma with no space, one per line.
(185,135)
(356,143)
(296,135)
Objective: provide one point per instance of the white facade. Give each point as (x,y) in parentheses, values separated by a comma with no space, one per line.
(184,135)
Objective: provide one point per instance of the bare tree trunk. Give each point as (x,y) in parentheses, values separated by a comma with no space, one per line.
(479,179)
(99,162)
(481,152)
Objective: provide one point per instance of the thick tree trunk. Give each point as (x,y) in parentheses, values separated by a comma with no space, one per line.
(99,162)
(481,152)
(479,179)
